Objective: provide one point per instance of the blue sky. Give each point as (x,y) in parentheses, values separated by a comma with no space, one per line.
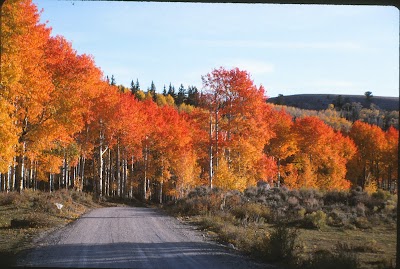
(289,49)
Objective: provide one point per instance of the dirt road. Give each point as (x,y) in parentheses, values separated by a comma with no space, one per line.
(131,237)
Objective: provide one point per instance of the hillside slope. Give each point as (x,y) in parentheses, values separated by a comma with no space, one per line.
(321,101)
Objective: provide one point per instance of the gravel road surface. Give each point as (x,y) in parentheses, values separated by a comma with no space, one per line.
(131,237)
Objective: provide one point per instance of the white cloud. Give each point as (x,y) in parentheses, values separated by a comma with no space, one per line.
(338,45)
(254,67)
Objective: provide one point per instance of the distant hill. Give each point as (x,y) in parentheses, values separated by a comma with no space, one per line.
(321,101)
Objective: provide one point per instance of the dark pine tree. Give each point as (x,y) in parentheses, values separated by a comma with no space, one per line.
(193,96)
(137,86)
(164,92)
(133,88)
(181,97)
(369,96)
(152,90)
(171,91)
(113,82)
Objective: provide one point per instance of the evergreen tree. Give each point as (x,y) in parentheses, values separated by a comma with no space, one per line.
(181,95)
(165,91)
(368,95)
(171,91)
(152,88)
(192,96)
(137,86)
(113,82)
(152,91)
(133,88)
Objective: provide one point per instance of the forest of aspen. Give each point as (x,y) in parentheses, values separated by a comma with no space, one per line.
(66,125)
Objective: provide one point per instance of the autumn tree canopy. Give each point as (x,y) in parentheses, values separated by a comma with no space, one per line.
(238,128)
(63,124)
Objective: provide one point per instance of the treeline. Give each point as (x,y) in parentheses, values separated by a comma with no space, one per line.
(182,96)
(372,115)
(330,116)
(343,110)
(64,125)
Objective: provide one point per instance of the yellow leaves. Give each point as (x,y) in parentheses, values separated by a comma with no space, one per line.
(140,95)
(186,170)
(226,179)
(238,126)
(301,173)
(170,100)
(160,100)
(185,108)
(370,187)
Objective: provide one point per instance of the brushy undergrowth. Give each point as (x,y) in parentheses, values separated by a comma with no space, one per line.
(24,215)
(279,246)
(341,257)
(305,207)
(266,222)
(33,206)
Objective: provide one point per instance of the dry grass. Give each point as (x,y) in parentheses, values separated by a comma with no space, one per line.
(374,248)
(29,214)
(364,224)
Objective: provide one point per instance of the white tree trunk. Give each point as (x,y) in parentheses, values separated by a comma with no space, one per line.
(14,172)
(125,176)
(9,177)
(83,172)
(22,168)
(101,165)
(131,179)
(145,174)
(211,154)
(118,162)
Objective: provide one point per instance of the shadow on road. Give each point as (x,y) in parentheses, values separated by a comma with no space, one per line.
(133,255)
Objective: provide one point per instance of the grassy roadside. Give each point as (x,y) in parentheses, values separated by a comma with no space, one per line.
(372,248)
(319,229)
(30,214)
(298,229)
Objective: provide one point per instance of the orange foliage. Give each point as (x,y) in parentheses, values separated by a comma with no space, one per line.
(55,106)
(323,154)
(391,153)
(239,123)
(370,141)
(8,136)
